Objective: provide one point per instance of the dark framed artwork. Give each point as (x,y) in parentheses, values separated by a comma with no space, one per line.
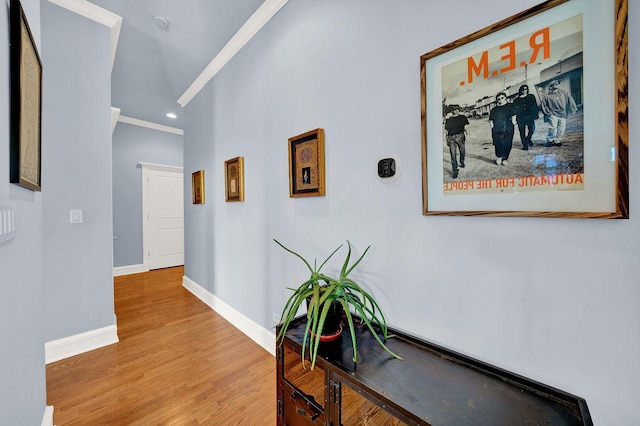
(306,164)
(234,179)
(26,103)
(528,117)
(197,187)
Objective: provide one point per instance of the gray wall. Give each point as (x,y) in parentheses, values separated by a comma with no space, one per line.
(76,173)
(552,299)
(22,373)
(132,145)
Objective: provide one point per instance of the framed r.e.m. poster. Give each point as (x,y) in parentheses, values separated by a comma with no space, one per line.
(528,117)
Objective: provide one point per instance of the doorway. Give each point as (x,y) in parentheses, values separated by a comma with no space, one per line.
(162,216)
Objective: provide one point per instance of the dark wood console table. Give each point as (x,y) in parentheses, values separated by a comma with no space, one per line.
(430,386)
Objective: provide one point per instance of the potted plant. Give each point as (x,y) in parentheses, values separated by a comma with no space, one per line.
(322,293)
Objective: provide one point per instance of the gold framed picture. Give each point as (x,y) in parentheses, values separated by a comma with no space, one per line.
(234,179)
(197,185)
(306,164)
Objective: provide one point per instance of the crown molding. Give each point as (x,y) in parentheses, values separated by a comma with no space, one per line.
(97,14)
(150,125)
(250,28)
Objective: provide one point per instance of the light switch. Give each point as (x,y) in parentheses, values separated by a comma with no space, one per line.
(75,216)
(7,222)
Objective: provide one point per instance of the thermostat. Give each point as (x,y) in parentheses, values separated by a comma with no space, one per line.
(388,169)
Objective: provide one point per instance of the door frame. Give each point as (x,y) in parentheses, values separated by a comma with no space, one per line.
(145,204)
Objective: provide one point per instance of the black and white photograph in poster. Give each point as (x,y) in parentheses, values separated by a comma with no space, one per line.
(512,114)
(527,116)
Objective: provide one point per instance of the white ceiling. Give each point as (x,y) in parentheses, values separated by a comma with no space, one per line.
(153,66)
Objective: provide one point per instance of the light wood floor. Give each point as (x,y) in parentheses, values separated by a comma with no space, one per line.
(178,362)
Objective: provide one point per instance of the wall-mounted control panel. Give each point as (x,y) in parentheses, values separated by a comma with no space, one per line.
(388,169)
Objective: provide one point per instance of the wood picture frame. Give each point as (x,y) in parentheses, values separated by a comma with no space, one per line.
(25,153)
(197,187)
(581,173)
(234,179)
(306,164)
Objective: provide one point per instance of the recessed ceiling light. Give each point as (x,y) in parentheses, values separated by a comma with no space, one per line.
(171,115)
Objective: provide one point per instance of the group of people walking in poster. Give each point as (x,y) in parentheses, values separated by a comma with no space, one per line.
(522,112)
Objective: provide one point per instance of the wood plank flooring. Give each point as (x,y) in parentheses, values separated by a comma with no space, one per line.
(177,363)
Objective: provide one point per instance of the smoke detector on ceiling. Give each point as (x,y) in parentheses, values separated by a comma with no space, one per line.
(161,21)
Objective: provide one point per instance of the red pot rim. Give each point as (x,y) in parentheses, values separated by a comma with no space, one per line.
(331,337)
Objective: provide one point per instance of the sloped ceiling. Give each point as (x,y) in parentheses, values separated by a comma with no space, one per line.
(154,66)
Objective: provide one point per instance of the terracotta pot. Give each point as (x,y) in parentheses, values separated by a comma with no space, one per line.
(332,327)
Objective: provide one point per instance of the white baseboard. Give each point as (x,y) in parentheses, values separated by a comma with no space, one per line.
(255,332)
(80,343)
(47,418)
(130,269)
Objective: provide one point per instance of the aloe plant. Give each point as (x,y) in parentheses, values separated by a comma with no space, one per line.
(322,290)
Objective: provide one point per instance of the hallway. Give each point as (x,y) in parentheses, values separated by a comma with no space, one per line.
(178,362)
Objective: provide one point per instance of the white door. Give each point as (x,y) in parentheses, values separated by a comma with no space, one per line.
(164,239)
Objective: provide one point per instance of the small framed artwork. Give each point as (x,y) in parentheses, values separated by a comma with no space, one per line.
(306,164)
(26,103)
(234,179)
(528,117)
(197,187)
